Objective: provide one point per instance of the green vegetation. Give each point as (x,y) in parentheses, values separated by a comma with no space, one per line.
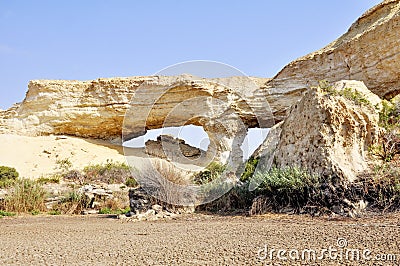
(289,186)
(389,115)
(8,176)
(26,196)
(49,180)
(348,93)
(118,211)
(5,213)
(212,172)
(389,142)
(131,182)
(54,212)
(249,169)
(64,165)
(110,172)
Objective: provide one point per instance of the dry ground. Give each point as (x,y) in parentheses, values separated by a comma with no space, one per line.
(191,240)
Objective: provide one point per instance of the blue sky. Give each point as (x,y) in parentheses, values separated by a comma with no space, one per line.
(90,39)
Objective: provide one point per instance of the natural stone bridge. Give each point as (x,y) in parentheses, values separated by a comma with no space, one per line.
(369,52)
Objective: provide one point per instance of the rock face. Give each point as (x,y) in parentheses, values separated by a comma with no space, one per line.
(369,52)
(326,133)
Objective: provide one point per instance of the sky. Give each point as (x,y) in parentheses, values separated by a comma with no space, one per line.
(89,39)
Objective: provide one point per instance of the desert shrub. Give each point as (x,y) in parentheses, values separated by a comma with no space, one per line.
(355,96)
(55,179)
(131,182)
(107,210)
(110,172)
(72,203)
(63,165)
(26,196)
(250,168)
(212,172)
(389,142)
(381,188)
(4,213)
(290,186)
(348,93)
(8,175)
(388,115)
(35,212)
(165,183)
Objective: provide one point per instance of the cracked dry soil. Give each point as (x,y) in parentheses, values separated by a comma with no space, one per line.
(191,240)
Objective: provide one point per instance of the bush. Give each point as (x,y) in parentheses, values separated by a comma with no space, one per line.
(249,169)
(131,182)
(72,203)
(8,175)
(110,172)
(26,196)
(289,186)
(389,142)
(348,93)
(63,165)
(46,180)
(162,181)
(4,213)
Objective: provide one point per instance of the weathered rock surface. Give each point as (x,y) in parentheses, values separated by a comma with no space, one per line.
(96,109)
(369,52)
(326,133)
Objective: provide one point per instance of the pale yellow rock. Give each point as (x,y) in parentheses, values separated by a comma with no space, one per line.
(225,108)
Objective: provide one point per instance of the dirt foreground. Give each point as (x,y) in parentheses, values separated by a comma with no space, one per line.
(200,240)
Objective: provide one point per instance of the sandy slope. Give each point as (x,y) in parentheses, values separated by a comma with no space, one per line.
(36,156)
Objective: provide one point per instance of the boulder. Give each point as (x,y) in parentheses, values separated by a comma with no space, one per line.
(327,132)
(167,146)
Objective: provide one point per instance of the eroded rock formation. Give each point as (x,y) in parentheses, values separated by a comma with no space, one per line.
(97,109)
(226,107)
(326,133)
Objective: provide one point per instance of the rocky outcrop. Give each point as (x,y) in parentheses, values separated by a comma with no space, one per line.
(167,146)
(96,109)
(328,132)
(369,52)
